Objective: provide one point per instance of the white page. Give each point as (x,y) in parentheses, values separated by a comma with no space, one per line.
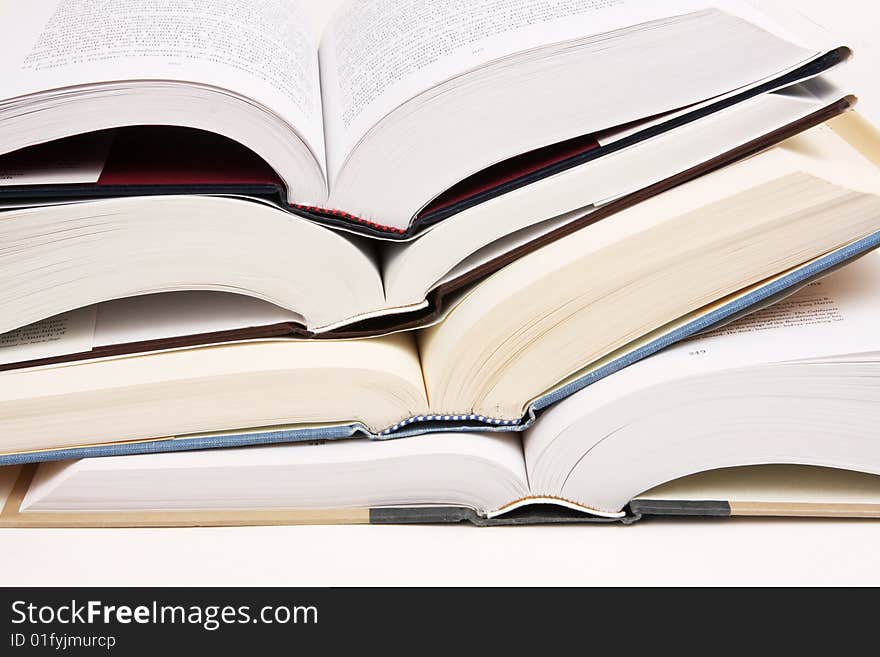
(175,314)
(70,333)
(377,54)
(141,318)
(832,317)
(263,50)
(441,466)
(80,163)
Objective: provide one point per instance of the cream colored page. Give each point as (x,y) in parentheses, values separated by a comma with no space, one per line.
(394,355)
(377,382)
(377,54)
(833,317)
(261,50)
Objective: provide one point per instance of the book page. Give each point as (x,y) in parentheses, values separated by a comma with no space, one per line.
(263,51)
(142,318)
(478,470)
(785,484)
(77,160)
(174,314)
(833,318)
(69,333)
(377,54)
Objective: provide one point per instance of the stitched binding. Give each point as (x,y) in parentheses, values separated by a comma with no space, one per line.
(350,217)
(447,418)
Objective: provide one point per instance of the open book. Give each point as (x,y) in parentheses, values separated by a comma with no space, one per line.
(321,282)
(795,384)
(538,330)
(404,114)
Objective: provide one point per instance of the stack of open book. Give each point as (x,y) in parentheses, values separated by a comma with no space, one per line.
(435,267)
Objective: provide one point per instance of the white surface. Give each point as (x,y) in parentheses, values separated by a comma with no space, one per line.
(735,552)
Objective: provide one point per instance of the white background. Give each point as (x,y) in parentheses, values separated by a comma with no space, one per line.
(738,551)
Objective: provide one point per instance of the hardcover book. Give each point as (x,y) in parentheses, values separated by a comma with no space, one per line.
(403,115)
(772,415)
(335,285)
(545,327)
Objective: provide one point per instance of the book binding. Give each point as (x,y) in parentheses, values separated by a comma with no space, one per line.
(750,301)
(167,160)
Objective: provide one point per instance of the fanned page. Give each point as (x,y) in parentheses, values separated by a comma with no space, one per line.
(263,51)
(831,317)
(403,101)
(763,389)
(483,471)
(378,54)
